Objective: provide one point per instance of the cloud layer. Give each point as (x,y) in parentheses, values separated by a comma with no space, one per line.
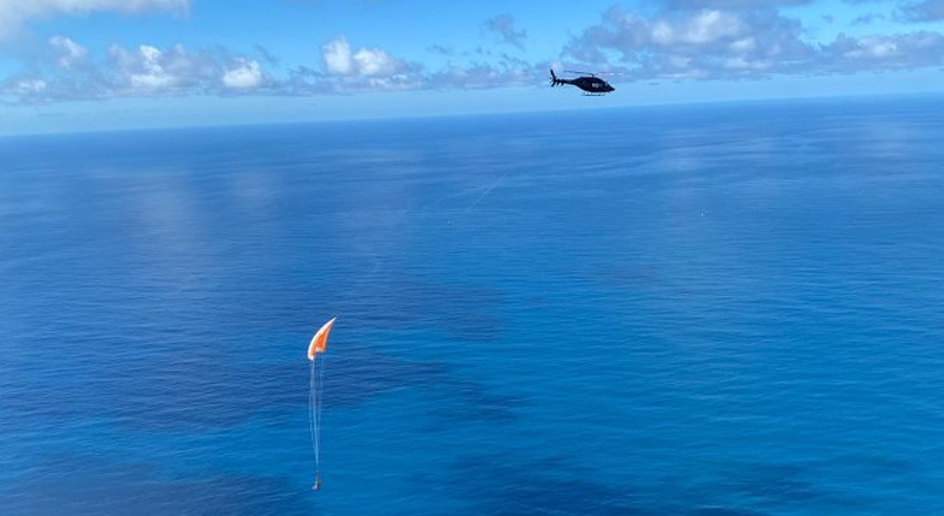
(69,72)
(675,40)
(742,42)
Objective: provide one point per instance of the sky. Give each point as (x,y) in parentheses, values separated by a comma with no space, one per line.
(74,65)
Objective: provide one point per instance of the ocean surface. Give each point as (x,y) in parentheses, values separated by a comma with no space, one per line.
(717,310)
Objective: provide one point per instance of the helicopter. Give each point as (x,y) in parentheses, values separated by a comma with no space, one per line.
(589,83)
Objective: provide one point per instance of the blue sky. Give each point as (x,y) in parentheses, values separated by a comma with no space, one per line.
(68,65)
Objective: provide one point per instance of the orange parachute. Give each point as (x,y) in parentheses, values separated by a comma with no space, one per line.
(319,343)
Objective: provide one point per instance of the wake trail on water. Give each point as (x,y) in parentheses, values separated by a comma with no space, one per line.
(485,193)
(437,205)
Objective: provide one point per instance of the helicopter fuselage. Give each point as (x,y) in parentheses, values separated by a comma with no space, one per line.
(591,84)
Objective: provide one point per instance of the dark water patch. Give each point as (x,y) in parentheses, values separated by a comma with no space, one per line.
(507,485)
(88,486)
(201,389)
(771,483)
(161,392)
(453,400)
(200,393)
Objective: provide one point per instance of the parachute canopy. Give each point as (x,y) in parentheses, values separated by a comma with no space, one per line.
(319,343)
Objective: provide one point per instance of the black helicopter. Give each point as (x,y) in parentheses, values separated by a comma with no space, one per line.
(589,83)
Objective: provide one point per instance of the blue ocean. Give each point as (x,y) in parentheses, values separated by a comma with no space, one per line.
(708,310)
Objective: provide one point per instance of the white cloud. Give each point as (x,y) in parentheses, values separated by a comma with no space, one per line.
(702,28)
(743,45)
(152,75)
(248,75)
(69,51)
(13,13)
(30,87)
(883,52)
(873,48)
(337,56)
(693,44)
(365,62)
(373,62)
(149,70)
(142,71)
(709,26)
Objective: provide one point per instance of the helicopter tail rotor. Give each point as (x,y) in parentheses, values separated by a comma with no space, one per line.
(554,80)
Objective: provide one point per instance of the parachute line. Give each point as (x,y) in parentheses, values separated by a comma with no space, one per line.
(318,346)
(318,408)
(313,420)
